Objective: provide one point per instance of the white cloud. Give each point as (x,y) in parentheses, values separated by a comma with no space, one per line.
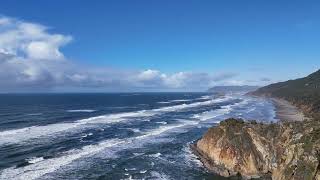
(30,59)
(30,40)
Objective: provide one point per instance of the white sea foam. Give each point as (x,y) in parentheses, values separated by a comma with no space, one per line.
(164,102)
(208,115)
(138,154)
(86,135)
(35,160)
(159,176)
(81,110)
(181,100)
(212,114)
(204,97)
(190,158)
(45,166)
(130,169)
(155,155)
(25,134)
(162,122)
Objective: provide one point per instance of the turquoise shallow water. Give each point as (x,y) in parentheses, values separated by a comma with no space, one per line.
(113,136)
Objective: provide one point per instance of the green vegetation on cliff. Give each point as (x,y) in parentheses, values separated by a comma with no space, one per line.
(303,92)
(281,151)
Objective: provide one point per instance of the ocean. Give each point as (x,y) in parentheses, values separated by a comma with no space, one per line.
(113,135)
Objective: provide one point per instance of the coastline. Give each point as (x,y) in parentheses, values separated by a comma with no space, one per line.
(285,111)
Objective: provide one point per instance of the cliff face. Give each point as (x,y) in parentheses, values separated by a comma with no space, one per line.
(282,151)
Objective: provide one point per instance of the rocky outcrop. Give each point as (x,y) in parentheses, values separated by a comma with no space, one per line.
(286,150)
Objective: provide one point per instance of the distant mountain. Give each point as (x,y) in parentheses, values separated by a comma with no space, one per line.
(232,89)
(303,92)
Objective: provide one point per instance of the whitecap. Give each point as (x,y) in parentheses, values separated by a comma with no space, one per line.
(181,100)
(34,160)
(81,110)
(40,168)
(25,134)
(204,98)
(208,115)
(155,155)
(164,102)
(138,154)
(46,166)
(143,171)
(159,176)
(162,122)
(130,169)
(190,158)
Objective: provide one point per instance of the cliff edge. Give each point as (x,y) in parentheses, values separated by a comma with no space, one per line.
(283,150)
(287,150)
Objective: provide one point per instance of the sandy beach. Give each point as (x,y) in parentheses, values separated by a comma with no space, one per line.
(285,111)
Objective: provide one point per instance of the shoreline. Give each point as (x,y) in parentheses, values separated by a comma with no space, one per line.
(285,111)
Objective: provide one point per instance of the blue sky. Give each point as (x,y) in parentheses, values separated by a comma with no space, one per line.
(254,40)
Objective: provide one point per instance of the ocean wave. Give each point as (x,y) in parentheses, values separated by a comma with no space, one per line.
(155,155)
(162,122)
(44,166)
(25,134)
(190,158)
(81,110)
(181,100)
(86,135)
(204,98)
(159,176)
(212,114)
(164,102)
(208,115)
(35,160)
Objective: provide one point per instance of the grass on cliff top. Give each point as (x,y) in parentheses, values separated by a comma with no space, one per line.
(303,92)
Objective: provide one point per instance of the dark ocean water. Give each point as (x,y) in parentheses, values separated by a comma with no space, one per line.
(112,136)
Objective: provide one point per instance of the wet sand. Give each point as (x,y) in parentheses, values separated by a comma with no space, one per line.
(285,111)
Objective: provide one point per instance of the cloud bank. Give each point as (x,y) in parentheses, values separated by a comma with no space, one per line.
(31,60)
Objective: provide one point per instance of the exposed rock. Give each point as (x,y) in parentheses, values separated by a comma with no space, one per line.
(286,150)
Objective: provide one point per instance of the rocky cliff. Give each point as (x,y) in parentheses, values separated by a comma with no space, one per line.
(281,151)
(287,150)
